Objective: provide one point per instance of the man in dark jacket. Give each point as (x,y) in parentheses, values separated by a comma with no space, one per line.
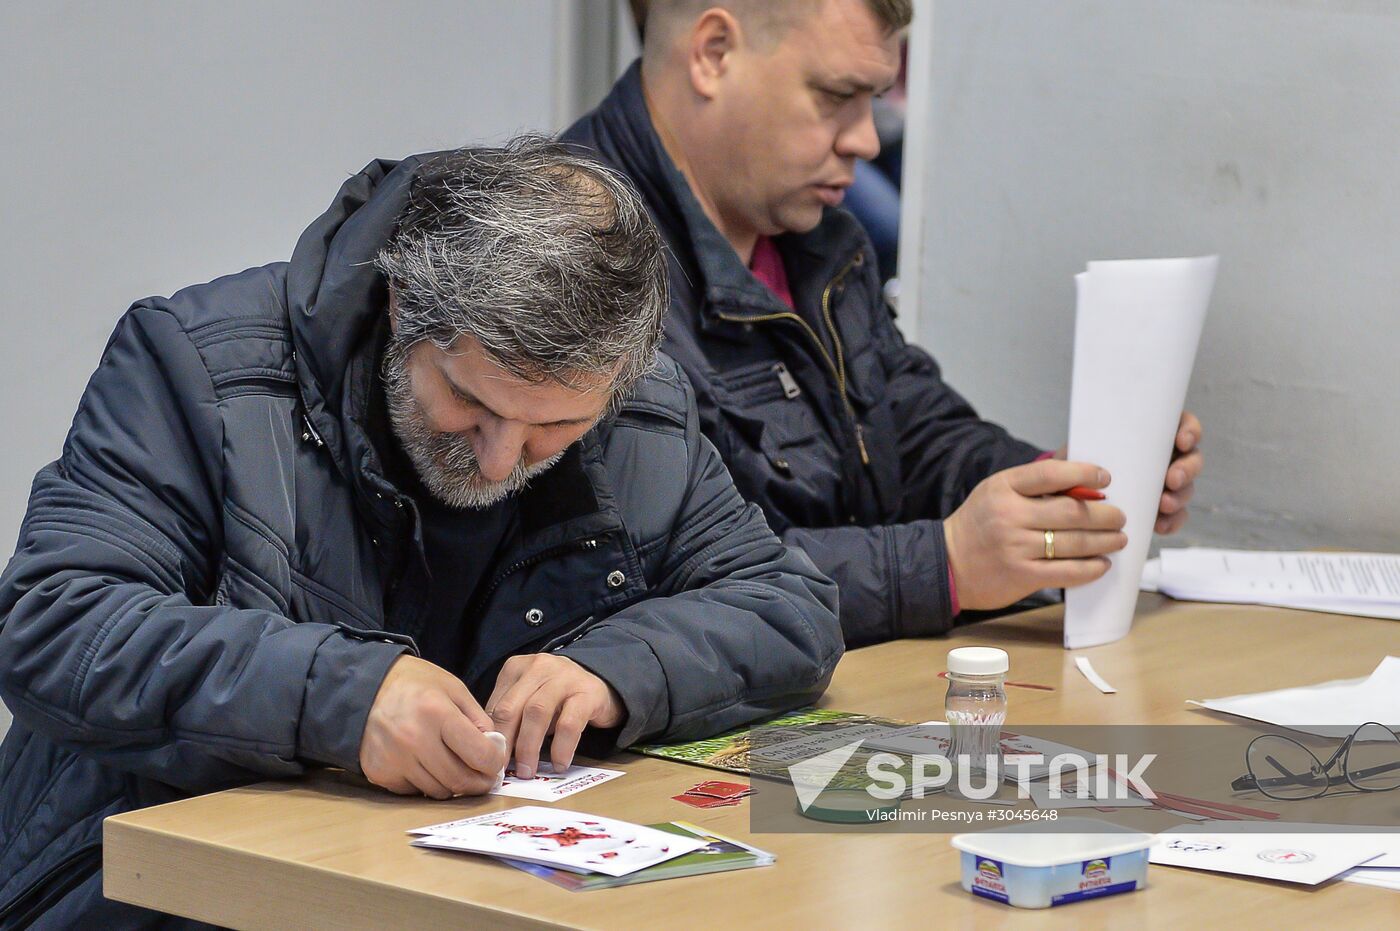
(425,481)
(741,126)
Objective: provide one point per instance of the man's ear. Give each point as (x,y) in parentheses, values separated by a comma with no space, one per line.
(714,38)
(393,311)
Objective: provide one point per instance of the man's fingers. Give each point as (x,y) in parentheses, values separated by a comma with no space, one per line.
(474,713)
(568,729)
(510,674)
(1049,476)
(1078,544)
(507,704)
(443,764)
(1067,573)
(536,719)
(1061,513)
(1171,523)
(472,747)
(1184,469)
(399,786)
(426,783)
(1175,501)
(1188,434)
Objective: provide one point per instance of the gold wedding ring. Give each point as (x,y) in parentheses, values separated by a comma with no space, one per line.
(1049,544)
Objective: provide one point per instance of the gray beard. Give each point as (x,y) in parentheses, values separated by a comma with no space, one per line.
(445,462)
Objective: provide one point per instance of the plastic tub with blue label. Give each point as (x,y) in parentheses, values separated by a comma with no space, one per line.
(1082,858)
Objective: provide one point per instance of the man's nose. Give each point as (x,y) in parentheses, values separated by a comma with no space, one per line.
(499,446)
(859,139)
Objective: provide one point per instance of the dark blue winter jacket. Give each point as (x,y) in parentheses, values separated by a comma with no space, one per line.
(198,597)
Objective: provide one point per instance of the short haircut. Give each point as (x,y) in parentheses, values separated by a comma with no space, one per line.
(766,20)
(544,256)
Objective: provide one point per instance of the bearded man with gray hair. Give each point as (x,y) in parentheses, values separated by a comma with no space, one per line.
(426,481)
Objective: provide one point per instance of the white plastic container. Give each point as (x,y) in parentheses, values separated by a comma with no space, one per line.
(1038,869)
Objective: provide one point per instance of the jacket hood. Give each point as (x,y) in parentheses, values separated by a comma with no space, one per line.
(335,295)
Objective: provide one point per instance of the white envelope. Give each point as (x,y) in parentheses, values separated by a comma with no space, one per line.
(1302,857)
(1386,878)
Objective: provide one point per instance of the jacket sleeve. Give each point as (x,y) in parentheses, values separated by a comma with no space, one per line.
(945,449)
(111,642)
(893,578)
(744,626)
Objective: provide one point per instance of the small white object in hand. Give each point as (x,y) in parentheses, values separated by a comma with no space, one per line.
(499,739)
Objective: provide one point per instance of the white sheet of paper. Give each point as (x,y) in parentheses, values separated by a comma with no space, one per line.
(569,840)
(1345,583)
(1304,857)
(1370,876)
(549,786)
(1136,331)
(1329,709)
(1151,575)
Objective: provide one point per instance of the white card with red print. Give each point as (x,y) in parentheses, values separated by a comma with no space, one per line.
(569,840)
(1304,857)
(549,786)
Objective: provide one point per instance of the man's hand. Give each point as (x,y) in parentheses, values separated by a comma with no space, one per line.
(996,539)
(1180,484)
(545,693)
(425,733)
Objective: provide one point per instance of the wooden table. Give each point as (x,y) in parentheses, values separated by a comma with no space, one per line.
(330,852)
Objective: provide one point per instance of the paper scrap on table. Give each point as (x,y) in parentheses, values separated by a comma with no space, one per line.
(1366,584)
(1137,326)
(568,840)
(1304,857)
(713,793)
(1096,680)
(549,786)
(1329,709)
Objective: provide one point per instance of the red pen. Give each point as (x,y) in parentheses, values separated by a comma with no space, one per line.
(1080,493)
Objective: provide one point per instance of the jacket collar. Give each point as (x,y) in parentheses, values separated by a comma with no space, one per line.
(336,299)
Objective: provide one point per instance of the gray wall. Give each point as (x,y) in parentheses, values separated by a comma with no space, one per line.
(1061,131)
(151,144)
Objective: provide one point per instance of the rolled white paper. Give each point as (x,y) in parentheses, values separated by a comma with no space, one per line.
(1136,331)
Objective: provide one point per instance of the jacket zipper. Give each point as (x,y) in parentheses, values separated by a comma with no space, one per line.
(485,597)
(838,364)
(309,434)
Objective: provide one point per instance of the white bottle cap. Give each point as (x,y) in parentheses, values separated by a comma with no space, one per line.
(977,661)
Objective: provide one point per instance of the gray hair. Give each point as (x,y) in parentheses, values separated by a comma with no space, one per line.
(546,257)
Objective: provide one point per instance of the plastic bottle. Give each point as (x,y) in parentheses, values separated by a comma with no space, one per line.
(975,707)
